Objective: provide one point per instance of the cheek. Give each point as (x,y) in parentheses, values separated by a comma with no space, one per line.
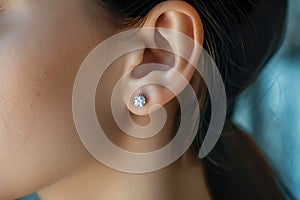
(35,99)
(37,133)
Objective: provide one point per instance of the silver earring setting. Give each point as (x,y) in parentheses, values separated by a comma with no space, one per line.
(139,101)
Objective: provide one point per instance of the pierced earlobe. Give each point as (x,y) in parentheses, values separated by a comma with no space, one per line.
(139,101)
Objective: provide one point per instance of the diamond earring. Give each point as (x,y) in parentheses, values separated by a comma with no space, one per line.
(139,101)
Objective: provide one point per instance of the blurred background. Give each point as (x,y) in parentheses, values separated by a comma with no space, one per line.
(270,109)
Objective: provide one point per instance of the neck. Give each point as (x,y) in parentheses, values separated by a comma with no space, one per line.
(182,180)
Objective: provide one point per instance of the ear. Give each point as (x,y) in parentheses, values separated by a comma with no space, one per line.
(149,65)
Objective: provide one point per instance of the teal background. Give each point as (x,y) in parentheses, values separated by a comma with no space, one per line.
(270,109)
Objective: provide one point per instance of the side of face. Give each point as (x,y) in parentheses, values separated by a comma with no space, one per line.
(42,44)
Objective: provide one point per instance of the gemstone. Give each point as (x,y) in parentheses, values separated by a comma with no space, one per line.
(139,101)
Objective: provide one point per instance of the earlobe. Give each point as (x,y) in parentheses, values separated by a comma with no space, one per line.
(159,65)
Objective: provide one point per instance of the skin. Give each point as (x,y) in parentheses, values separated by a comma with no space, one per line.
(41,49)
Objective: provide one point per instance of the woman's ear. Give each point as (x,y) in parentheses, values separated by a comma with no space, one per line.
(150,65)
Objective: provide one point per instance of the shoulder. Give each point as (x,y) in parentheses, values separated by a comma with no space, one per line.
(33,196)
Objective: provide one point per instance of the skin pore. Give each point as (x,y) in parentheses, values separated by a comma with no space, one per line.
(42,44)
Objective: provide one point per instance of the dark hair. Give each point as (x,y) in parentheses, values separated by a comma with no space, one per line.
(241,36)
